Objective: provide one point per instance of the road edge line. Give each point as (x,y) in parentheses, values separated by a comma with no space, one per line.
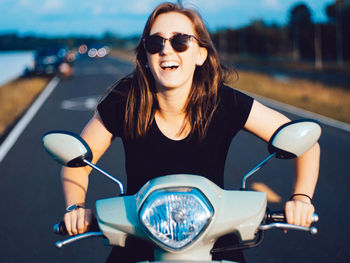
(28,116)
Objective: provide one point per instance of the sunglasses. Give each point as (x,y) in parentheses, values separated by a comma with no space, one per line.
(179,42)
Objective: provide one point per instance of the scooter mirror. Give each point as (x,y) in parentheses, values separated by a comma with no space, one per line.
(67,148)
(294,138)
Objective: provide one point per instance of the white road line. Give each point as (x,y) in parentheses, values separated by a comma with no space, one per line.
(302,113)
(28,116)
(81,104)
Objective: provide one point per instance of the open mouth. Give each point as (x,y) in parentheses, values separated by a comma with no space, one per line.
(169,65)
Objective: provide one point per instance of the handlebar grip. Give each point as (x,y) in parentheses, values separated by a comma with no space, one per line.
(275,216)
(280,217)
(60,227)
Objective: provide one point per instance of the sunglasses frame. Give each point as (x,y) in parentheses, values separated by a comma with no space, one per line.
(189,37)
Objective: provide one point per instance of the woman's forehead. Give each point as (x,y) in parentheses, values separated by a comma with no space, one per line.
(172,22)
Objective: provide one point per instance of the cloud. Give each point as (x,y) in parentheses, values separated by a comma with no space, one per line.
(141,7)
(39,7)
(49,6)
(97,11)
(214,6)
(24,3)
(112,7)
(272,4)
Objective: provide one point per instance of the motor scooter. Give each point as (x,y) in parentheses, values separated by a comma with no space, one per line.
(184,215)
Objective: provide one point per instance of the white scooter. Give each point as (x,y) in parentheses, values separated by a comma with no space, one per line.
(184,215)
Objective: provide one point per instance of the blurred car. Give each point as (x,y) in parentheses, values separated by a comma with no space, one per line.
(48,60)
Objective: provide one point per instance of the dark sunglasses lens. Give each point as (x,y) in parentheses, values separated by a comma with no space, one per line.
(180,43)
(154,44)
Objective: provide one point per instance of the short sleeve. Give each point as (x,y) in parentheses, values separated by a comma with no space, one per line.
(237,105)
(111,110)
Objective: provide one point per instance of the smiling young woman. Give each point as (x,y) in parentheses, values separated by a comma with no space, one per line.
(175,116)
(204,81)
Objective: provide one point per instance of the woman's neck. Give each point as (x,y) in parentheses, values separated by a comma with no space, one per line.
(172,101)
(170,116)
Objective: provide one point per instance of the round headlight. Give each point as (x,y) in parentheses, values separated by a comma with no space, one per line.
(176,216)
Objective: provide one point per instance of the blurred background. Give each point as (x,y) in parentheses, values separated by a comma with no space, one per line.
(266,40)
(293,55)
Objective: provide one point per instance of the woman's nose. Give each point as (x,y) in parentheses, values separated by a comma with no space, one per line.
(167,47)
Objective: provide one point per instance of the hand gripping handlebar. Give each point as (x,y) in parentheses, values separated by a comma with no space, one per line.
(277,219)
(60,229)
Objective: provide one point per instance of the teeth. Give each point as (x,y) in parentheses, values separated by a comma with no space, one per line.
(169,64)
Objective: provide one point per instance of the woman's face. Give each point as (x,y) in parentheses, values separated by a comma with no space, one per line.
(173,69)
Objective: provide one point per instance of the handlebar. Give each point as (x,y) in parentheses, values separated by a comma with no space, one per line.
(277,219)
(280,217)
(60,227)
(273,219)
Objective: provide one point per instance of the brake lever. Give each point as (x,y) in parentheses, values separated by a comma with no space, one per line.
(72,239)
(313,230)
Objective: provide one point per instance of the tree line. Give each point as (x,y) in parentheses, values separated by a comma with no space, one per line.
(12,41)
(301,39)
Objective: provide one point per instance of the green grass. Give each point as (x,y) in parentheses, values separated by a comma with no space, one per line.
(333,102)
(16,96)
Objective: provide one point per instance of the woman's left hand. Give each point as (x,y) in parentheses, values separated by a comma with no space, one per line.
(299,212)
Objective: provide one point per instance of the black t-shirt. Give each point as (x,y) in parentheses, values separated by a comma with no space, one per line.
(155,154)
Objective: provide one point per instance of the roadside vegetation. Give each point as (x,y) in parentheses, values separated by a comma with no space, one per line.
(330,101)
(127,55)
(16,96)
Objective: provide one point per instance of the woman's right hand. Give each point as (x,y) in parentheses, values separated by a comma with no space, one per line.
(78,221)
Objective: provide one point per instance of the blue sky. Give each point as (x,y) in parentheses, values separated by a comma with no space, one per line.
(127,17)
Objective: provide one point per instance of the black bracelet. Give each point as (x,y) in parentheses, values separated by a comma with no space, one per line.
(73,207)
(291,198)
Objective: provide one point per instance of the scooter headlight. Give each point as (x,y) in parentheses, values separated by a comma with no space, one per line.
(177,216)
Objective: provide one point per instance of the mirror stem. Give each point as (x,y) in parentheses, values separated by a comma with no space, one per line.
(121,187)
(255,169)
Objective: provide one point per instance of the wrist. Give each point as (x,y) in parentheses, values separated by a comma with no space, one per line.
(72,207)
(301,197)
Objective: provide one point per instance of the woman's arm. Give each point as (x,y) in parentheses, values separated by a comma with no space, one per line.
(75,180)
(263,122)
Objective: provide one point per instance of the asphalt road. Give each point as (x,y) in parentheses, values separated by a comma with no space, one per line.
(32,200)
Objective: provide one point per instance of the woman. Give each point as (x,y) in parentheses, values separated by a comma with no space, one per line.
(175,115)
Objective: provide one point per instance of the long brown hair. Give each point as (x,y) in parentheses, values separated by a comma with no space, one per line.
(141,102)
